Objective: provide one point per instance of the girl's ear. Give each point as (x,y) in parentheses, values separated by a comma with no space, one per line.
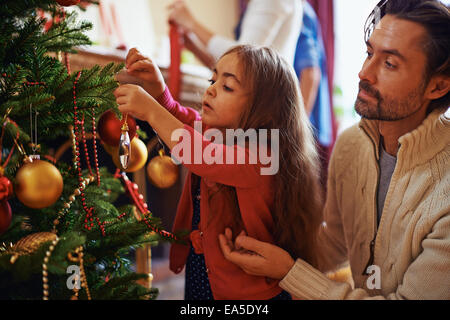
(438,87)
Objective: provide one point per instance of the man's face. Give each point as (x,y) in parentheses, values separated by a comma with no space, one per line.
(392,78)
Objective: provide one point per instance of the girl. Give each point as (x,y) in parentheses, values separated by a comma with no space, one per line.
(251,88)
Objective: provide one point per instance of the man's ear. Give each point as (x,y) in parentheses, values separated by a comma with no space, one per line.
(438,87)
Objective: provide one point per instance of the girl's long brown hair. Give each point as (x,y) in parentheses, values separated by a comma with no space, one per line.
(276,103)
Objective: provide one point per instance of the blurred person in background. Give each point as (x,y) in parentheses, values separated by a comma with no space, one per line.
(271,23)
(310,64)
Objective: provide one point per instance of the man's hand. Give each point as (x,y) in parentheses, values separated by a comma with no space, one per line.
(141,70)
(255,257)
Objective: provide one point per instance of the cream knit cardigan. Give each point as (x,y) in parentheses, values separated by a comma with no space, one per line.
(412,242)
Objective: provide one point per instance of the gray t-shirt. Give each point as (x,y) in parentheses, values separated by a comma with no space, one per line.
(387,166)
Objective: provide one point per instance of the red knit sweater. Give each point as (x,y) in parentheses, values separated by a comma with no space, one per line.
(255,198)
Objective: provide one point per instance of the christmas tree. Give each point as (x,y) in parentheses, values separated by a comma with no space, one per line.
(61,234)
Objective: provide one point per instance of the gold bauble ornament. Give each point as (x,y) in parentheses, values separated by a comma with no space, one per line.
(162,171)
(138,158)
(109,149)
(29,244)
(38,184)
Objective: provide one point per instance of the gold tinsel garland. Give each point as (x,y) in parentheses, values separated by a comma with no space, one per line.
(31,243)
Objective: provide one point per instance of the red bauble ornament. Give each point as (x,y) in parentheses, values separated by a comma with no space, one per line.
(67,3)
(5,216)
(6,188)
(110,128)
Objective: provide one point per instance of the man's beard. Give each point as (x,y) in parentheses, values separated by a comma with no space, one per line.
(386,109)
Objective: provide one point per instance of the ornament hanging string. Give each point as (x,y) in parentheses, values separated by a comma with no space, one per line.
(6,120)
(33,136)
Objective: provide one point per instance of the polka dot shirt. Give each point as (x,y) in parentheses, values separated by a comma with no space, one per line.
(197,285)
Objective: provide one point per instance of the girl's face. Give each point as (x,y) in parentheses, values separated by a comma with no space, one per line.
(228,95)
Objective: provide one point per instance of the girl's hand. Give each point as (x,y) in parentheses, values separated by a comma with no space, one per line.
(145,73)
(181,16)
(135,100)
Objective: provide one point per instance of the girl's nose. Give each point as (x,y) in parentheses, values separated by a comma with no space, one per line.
(211,90)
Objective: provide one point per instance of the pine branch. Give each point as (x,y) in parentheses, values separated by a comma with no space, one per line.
(66,34)
(22,40)
(120,288)
(24,8)
(29,76)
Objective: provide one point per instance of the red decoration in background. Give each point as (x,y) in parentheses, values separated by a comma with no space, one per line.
(67,3)
(5,216)
(6,188)
(111,24)
(84,4)
(175,61)
(116,24)
(132,190)
(51,19)
(110,128)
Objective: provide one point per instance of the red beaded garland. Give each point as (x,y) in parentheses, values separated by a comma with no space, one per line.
(26,83)
(89,211)
(30,83)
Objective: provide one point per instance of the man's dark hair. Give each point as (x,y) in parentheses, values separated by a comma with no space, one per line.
(435,18)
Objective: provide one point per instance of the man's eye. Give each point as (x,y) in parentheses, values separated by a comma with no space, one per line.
(211,81)
(390,65)
(369,54)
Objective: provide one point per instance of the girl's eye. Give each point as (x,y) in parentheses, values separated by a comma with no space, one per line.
(226,88)
(369,54)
